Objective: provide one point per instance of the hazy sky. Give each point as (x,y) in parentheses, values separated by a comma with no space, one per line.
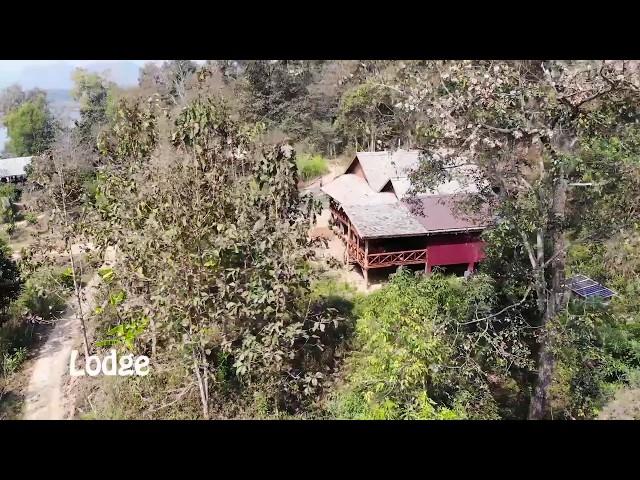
(17,65)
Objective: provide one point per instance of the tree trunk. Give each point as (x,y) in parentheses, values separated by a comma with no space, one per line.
(556,301)
(539,406)
(78,294)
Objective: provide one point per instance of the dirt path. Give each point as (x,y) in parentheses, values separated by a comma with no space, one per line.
(625,406)
(46,396)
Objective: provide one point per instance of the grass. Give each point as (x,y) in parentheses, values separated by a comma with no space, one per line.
(338,294)
(311,166)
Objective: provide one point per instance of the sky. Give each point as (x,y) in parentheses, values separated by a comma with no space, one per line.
(18,65)
(56,74)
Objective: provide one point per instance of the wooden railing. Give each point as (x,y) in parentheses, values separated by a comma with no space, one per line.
(386,259)
(356,254)
(405,257)
(340,215)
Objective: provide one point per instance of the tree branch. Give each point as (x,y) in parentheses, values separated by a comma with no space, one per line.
(524,298)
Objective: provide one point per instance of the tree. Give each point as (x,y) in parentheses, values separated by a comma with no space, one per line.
(270,89)
(520,124)
(96,98)
(10,282)
(170,80)
(30,128)
(430,348)
(61,176)
(212,242)
(13,96)
(364,116)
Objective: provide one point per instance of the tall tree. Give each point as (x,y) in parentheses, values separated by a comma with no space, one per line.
(13,96)
(520,124)
(170,80)
(242,252)
(95,96)
(31,128)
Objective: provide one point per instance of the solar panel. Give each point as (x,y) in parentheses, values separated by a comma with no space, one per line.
(588,288)
(584,284)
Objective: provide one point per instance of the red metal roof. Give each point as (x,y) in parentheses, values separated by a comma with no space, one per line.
(445,213)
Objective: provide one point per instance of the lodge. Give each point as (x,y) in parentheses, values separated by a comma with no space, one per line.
(383,226)
(13,170)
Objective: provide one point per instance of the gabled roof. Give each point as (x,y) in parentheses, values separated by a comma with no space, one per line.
(380,167)
(383,221)
(14,167)
(350,189)
(378,214)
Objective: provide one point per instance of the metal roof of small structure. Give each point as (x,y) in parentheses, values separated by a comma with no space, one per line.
(585,287)
(383,221)
(350,189)
(444,213)
(14,167)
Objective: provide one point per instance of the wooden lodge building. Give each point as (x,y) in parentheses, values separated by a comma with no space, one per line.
(13,170)
(383,227)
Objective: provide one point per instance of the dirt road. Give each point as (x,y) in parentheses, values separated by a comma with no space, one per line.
(46,396)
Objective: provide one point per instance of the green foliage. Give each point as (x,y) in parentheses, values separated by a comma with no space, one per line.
(124,334)
(423,353)
(363,114)
(595,349)
(337,294)
(587,259)
(10,282)
(610,163)
(9,194)
(12,361)
(30,128)
(31,218)
(311,166)
(44,294)
(97,99)
(9,191)
(230,221)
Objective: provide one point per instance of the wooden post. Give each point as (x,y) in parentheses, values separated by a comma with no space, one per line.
(427,267)
(366,263)
(346,252)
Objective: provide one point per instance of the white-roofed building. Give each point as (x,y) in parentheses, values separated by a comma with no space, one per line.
(14,169)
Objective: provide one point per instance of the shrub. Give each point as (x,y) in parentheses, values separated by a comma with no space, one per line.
(9,276)
(311,166)
(44,294)
(31,218)
(420,355)
(596,350)
(9,191)
(11,361)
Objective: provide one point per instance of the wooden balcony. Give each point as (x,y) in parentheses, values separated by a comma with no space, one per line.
(385,259)
(388,259)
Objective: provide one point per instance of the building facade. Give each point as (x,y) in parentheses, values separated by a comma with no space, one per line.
(383,225)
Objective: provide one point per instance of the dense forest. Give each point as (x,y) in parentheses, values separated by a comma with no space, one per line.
(193,179)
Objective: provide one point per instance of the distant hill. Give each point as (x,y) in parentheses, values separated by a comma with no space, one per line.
(57,95)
